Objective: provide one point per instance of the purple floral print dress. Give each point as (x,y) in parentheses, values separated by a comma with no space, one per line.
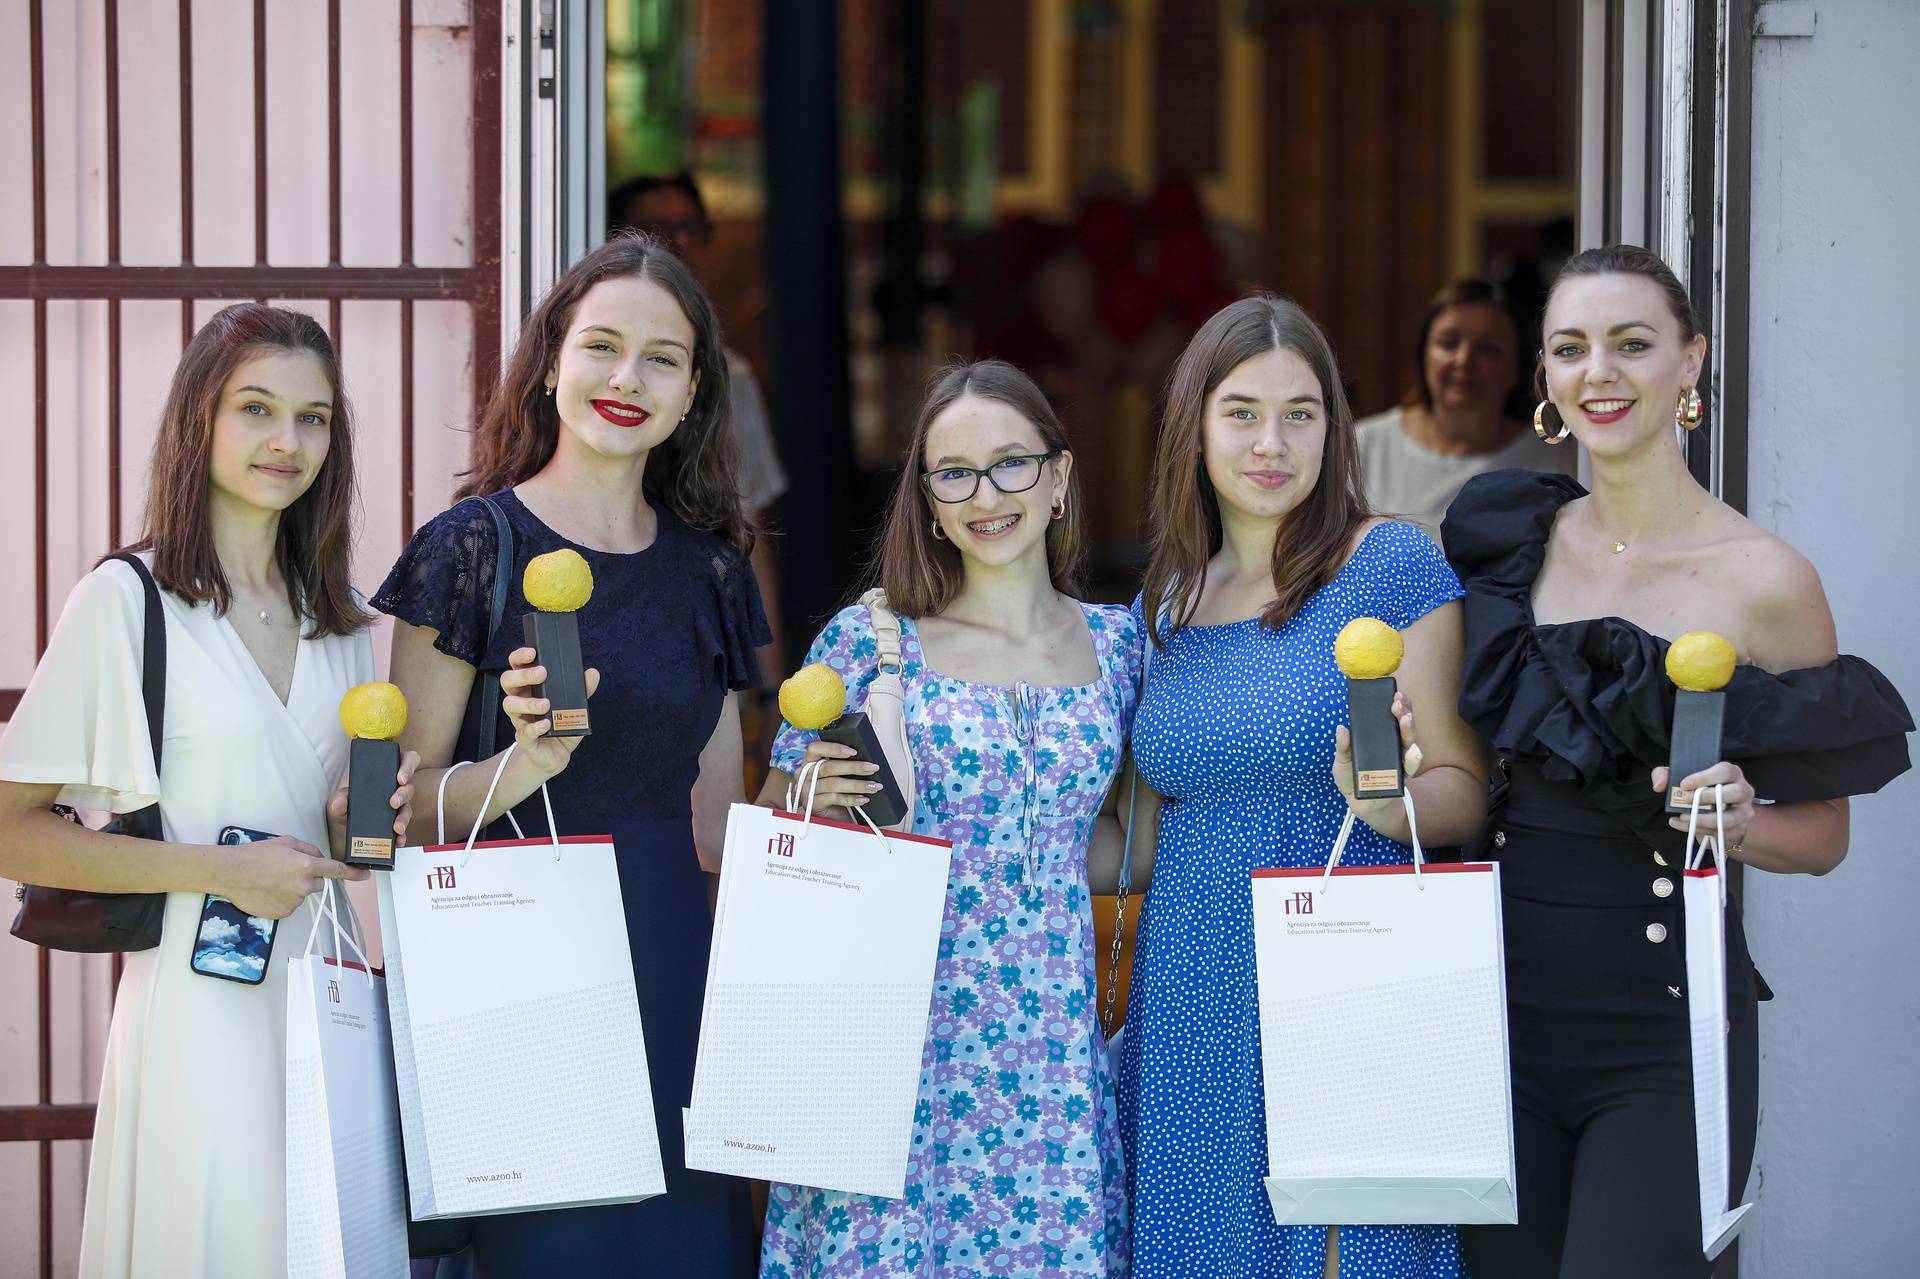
(1015,1167)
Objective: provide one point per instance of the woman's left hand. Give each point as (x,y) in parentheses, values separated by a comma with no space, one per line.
(1366,809)
(401,802)
(1736,794)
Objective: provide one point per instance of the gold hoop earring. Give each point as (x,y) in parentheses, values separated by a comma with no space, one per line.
(1687,414)
(939,534)
(1540,412)
(1059,508)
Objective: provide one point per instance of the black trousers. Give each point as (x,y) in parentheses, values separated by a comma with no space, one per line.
(1603,1097)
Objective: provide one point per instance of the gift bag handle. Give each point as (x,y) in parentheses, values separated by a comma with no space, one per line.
(329,907)
(807,782)
(440,807)
(1697,850)
(499,771)
(1346,830)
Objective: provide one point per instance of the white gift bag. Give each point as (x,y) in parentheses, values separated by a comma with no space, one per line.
(1386,986)
(1704,899)
(346,1205)
(516,1030)
(819,987)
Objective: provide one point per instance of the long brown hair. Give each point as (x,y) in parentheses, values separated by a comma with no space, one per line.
(1315,539)
(922,574)
(692,471)
(312,548)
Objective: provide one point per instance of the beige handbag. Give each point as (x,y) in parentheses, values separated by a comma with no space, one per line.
(886,705)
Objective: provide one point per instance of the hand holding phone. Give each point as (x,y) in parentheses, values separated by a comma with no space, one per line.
(229,943)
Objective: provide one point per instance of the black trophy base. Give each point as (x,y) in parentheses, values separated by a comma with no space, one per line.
(371,770)
(887,805)
(1697,720)
(556,637)
(1377,757)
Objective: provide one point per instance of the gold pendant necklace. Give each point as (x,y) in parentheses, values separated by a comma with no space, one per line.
(1617,547)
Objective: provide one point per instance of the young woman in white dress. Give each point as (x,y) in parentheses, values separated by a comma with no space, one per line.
(248,526)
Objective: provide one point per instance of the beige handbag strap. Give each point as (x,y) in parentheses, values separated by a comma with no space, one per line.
(887,699)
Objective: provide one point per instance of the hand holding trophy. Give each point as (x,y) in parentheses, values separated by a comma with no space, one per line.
(373,715)
(1699,663)
(1368,652)
(815,697)
(558,584)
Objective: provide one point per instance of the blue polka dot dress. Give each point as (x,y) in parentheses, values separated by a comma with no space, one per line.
(1236,729)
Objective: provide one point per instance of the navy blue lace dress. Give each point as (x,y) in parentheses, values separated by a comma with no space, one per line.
(671,630)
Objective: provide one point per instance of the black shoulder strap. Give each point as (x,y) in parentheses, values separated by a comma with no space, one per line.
(485,711)
(153,656)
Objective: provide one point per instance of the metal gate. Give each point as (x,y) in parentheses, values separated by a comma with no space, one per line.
(102,85)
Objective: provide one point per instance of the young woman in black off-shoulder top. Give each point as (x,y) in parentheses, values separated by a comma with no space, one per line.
(1572,599)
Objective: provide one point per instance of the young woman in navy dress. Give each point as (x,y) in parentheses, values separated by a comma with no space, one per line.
(1263,549)
(606,437)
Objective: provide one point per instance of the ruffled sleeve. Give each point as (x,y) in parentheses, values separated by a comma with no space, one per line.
(1407,575)
(82,724)
(736,626)
(846,644)
(1122,653)
(443,581)
(1591,701)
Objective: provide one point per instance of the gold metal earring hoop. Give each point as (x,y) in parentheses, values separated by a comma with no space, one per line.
(939,534)
(1059,508)
(1688,412)
(1540,412)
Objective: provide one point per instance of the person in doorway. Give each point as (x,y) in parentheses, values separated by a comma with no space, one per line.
(1019,698)
(670,207)
(606,437)
(249,513)
(1461,417)
(1572,601)
(1263,549)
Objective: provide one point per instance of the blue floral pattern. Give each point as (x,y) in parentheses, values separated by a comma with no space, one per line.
(1015,1167)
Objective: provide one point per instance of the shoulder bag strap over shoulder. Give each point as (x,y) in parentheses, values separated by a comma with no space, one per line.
(153,677)
(887,699)
(485,708)
(1126,857)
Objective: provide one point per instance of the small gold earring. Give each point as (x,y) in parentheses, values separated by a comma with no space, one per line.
(1059,508)
(1540,412)
(1687,414)
(939,534)
(549,392)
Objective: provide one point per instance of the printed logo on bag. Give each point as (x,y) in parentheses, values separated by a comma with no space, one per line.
(780,846)
(1299,904)
(333,992)
(439,877)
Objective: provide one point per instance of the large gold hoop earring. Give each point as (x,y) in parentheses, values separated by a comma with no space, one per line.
(1687,414)
(939,534)
(1059,508)
(1540,412)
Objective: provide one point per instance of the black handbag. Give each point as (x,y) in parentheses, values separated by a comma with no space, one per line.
(93,923)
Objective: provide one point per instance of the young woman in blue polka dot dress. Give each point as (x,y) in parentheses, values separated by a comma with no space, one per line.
(1262,550)
(1018,703)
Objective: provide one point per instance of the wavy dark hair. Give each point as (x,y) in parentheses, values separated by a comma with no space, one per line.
(1184,511)
(920,573)
(313,547)
(692,471)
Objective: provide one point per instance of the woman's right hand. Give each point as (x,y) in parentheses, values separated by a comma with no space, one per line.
(272,877)
(529,715)
(845,779)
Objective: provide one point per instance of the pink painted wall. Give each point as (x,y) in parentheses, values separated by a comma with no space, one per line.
(223,231)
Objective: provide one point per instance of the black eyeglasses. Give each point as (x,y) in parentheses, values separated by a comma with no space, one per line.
(1016,474)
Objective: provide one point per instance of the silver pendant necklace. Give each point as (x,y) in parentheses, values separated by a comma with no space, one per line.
(266,618)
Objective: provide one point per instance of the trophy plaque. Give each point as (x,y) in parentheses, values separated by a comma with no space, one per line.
(373,715)
(1699,663)
(558,584)
(1368,652)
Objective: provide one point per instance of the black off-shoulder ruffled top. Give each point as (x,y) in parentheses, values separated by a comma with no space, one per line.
(1588,703)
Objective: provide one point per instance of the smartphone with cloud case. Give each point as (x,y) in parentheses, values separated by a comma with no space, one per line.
(230,943)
